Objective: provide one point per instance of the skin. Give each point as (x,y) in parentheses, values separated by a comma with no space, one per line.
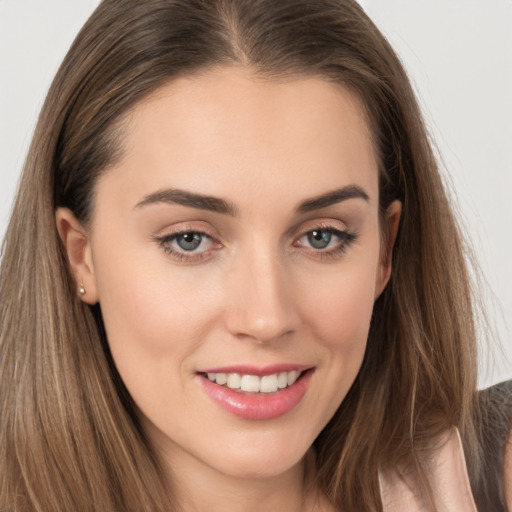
(255,292)
(449,479)
(507,465)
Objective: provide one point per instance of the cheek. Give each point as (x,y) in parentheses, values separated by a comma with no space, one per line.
(152,314)
(153,326)
(340,313)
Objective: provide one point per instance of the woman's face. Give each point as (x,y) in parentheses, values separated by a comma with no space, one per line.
(235,251)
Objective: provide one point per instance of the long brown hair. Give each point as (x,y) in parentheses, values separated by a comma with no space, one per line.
(69,438)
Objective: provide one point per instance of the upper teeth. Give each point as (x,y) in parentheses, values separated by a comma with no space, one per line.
(265,384)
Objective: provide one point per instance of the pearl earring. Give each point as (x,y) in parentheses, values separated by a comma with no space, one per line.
(82,289)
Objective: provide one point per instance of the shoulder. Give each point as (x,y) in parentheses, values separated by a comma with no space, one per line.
(490,488)
(448,479)
(507,451)
(507,470)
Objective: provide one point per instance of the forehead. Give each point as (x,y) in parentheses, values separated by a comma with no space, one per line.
(229,129)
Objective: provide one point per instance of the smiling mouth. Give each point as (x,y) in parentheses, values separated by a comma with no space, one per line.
(253,383)
(257,393)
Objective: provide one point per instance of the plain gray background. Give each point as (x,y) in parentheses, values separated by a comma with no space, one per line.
(459,56)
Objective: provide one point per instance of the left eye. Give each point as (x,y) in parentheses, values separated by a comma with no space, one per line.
(319,238)
(189,241)
(322,239)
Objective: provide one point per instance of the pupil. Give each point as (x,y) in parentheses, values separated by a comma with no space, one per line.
(319,239)
(189,241)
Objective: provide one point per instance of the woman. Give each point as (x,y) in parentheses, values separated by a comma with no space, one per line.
(232,279)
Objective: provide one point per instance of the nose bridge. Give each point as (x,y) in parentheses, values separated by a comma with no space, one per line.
(261,306)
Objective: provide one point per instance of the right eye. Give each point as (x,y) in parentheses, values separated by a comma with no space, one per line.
(188,245)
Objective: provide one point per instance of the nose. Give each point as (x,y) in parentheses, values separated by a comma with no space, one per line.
(261,303)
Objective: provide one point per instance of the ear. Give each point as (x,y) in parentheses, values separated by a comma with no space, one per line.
(392,221)
(78,249)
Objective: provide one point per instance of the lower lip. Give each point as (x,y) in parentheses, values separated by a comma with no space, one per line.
(260,406)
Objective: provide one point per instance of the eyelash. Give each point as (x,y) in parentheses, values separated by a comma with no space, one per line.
(346,239)
(166,241)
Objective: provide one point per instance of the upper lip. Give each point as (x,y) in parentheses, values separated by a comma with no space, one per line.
(260,371)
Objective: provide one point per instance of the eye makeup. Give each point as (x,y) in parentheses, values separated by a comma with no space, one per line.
(192,245)
(188,245)
(326,242)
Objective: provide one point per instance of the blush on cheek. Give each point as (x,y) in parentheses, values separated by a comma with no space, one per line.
(342,314)
(155,318)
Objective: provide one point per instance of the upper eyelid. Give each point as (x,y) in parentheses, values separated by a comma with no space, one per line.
(297,236)
(345,236)
(184,227)
(206,254)
(303,228)
(171,237)
(323,228)
(295,232)
(167,244)
(174,234)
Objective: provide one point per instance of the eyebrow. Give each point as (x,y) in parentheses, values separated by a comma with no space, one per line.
(191,199)
(330,198)
(218,205)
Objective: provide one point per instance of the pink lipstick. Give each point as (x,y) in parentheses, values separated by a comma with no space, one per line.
(257,393)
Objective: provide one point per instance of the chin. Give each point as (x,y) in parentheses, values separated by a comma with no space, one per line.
(258,468)
(260,460)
